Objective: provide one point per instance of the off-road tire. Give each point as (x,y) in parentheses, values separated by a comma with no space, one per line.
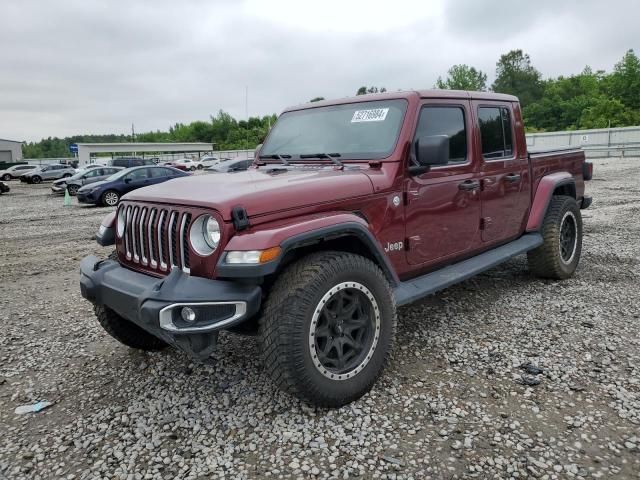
(286,325)
(6,177)
(547,261)
(124,331)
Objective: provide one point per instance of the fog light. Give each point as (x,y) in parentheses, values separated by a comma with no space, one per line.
(188,314)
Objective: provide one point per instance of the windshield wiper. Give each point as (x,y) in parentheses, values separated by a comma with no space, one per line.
(330,156)
(275,156)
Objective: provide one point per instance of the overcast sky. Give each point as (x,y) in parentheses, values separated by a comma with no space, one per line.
(96,66)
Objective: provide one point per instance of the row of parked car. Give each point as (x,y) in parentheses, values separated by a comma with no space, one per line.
(105,184)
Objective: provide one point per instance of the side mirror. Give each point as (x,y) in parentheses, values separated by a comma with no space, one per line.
(430,150)
(127,180)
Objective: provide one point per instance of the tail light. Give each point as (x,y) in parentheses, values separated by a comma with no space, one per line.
(587,170)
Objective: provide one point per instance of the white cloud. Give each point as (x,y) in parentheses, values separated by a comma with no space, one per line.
(73,67)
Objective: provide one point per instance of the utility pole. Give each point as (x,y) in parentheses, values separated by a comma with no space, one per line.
(133,133)
(246,112)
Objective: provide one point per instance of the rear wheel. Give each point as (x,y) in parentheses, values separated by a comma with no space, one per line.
(192,168)
(559,255)
(66,175)
(36,179)
(328,327)
(200,167)
(110,198)
(6,177)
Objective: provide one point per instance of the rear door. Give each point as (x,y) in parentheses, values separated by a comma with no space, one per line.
(443,204)
(504,167)
(161,174)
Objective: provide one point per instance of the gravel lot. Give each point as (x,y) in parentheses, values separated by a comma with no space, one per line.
(501,376)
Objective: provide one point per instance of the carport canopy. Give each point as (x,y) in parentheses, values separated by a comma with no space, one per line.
(86,149)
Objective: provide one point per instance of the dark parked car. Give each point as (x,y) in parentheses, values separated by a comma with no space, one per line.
(83,177)
(128,162)
(230,166)
(4,188)
(108,192)
(15,171)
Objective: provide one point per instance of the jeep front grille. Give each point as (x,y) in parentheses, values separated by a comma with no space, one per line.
(156,237)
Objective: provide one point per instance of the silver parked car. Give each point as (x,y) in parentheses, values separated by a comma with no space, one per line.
(48,172)
(15,171)
(83,177)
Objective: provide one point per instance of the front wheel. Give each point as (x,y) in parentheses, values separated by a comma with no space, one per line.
(200,167)
(110,198)
(561,230)
(72,189)
(328,328)
(192,168)
(36,179)
(66,175)
(6,177)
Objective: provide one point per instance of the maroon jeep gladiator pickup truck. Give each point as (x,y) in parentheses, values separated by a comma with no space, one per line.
(352,207)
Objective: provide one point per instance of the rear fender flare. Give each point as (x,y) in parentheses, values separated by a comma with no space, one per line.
(547,186)
(301,234)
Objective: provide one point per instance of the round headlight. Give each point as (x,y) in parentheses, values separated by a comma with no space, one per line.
(205,235)
(121,221)
(212,232)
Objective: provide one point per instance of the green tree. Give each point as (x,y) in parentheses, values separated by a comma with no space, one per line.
(366,90)
(463,77)
(624,82)
(516,76)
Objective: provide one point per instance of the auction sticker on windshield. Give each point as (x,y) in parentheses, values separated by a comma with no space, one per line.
(372,115)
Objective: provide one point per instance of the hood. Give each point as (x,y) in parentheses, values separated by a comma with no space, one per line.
(259,191)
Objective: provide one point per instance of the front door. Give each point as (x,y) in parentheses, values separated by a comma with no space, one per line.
(443,204)
(506,192)
(136,178)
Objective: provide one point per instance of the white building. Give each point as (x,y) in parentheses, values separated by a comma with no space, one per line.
(10,151)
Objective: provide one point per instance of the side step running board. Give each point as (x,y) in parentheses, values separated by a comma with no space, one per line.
(416,288)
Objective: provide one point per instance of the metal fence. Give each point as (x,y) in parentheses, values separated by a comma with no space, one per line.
(605,142)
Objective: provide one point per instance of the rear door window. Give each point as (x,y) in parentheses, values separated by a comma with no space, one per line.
(161,172)
(495,132)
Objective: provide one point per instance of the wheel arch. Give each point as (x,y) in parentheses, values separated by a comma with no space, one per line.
(559,183)
(349,234)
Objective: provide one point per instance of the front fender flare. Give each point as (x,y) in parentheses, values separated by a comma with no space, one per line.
(300,234)
(543,195)
(106,235)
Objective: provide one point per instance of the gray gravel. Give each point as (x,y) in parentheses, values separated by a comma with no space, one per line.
(503,376)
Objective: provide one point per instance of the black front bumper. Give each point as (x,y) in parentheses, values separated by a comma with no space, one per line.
(155,304)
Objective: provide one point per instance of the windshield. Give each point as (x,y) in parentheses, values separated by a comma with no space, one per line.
(366,130)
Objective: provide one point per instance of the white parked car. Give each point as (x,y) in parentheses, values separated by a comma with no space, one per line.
(15,171)
(207,161)
(183,164)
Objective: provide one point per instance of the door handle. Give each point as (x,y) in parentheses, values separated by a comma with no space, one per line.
(512,177)
(468,185)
